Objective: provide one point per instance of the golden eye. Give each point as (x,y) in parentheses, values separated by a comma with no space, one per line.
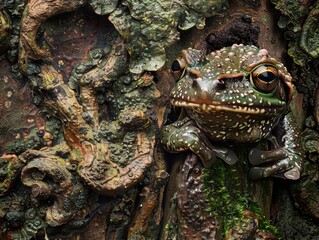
(264,78)
(178,68)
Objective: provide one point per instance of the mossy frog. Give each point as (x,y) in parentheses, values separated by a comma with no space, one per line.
(237,94)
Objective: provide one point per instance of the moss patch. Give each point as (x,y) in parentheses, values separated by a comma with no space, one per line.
(227,200)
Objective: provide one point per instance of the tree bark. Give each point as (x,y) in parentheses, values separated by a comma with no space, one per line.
(84,89)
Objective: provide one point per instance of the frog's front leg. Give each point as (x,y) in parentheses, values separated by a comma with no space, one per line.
(285,162)
(185,135)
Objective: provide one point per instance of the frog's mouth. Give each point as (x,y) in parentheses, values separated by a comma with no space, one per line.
(224,107)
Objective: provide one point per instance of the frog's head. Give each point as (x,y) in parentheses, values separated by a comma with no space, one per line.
(237,79)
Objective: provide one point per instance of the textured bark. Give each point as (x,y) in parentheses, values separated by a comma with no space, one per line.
(81,156)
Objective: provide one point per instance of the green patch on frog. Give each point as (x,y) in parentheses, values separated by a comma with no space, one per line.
(270,98)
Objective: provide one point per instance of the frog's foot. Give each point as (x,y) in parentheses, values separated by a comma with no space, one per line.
(191,138)
(279,163)
(283,161)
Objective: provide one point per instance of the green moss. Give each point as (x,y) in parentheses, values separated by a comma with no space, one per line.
(103,7)
(227,201)
(149,27)
(137,236)
(299,20)
(172,229)
(33,141)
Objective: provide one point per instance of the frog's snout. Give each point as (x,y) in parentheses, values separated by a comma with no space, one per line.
(209,86)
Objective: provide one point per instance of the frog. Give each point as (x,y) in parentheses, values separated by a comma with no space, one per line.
(238,94)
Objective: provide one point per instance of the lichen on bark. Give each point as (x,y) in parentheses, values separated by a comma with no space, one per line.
(150,27)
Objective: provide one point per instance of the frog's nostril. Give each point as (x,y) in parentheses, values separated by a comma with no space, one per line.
(195,84)
(219,84)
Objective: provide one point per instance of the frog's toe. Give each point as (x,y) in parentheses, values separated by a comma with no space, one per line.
(226,154)
(293,174)
(280,169)
(257,173)
(205,154)
(257,156)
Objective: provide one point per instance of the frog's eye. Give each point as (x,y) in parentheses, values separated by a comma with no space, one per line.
(265,78)
(179,68)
